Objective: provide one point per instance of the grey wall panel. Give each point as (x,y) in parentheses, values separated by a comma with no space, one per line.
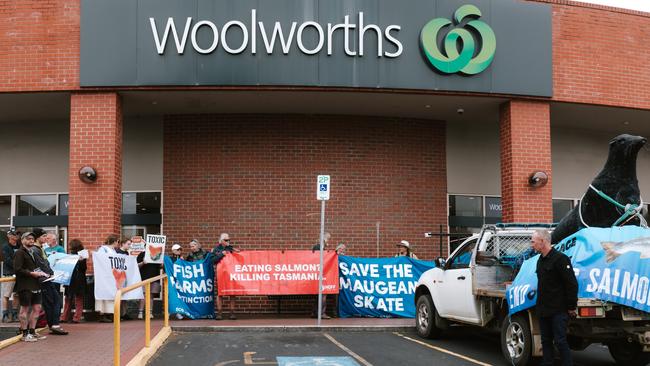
(142,153)
(522,63)
(34,156)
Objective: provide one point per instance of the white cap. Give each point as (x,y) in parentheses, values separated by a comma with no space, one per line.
(404,243)
(176,247)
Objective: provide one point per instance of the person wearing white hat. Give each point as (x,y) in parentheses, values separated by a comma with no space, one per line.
(176,252)
(404,250)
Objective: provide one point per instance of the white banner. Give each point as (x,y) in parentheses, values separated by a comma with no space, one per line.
(113,272)
(155,249)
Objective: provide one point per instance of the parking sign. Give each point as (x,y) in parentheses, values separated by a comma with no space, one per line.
(323,188)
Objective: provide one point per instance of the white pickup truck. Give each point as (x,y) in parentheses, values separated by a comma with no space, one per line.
(469,288)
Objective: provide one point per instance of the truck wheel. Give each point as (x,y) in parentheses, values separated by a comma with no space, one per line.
(516,340)
(628,353)
(426,318)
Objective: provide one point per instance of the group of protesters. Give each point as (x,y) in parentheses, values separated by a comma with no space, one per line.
(25,256)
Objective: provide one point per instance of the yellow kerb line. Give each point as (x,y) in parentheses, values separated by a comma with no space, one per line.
(147,321)
(349,351)
(443,350)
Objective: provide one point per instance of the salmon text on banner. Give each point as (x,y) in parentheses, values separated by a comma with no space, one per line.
(276,273)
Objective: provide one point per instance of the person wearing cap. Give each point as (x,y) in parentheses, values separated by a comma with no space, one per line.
(51,291)
(404,250)
(28,288)
(176,252)
(196,252)
(9,312)
(224,247)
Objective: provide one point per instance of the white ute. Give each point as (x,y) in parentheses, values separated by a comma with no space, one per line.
(469,288)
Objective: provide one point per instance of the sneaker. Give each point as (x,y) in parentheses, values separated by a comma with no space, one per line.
(58,331)
(29,338)
(39,336)
(232,317)
(325,316)
(140,315)
(150,316)
(179,317)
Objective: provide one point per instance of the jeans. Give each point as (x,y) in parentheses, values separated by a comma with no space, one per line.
(554,328)
(51,302)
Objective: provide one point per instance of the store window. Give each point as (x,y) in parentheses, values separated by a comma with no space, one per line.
(466,206)
(36,205)
(63,204)
(5,211)
(140,203)
(561,208)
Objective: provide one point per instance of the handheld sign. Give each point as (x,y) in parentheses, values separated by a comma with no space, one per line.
(323,188)
(155,249)
(137,245)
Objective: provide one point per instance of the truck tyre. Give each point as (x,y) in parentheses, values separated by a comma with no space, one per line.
(628,353)
(426,318)
(516,340)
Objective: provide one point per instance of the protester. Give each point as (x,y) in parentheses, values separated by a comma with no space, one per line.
(557,297)
(176,253)
(326,238)
(28,288)
(148,270)
(76,290)
(106,307)
(53,245)
(125,244)
(224,247)
(341,249)
(9,302)
(51,291)
(196,252)
(404,250)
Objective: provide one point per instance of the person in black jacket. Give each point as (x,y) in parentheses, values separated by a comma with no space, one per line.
(75,291)
(9,313)
(28,288)
(557,297)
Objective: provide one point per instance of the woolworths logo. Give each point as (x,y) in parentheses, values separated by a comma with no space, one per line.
(452,61)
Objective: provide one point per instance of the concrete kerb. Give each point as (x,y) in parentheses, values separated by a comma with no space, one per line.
(289,328)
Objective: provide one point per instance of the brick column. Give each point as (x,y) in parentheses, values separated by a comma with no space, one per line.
(525,138)
(96,141)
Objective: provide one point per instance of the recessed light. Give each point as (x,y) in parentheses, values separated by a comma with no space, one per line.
(154,102)
(626,123)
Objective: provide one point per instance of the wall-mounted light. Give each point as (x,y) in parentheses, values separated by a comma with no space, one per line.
(87,174)
(538,179)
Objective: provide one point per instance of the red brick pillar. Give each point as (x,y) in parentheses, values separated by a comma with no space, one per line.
(95,141)
(525,138)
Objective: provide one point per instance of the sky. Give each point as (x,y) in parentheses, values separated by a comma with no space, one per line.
(643,5)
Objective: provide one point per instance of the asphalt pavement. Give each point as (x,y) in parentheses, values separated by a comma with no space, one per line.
(459,346)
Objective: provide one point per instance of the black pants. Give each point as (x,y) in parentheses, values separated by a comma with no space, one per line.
(51,302)
(554,328)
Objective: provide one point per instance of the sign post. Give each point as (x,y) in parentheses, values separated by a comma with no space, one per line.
(322,194)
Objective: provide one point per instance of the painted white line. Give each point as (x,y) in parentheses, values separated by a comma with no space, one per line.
(349,351)
(443,350)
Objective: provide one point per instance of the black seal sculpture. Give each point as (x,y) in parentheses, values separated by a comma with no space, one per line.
(613,197)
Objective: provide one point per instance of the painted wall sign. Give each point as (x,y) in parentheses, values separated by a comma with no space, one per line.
(429,44)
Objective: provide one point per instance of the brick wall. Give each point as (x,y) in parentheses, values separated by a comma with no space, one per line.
(255,178)
(95,140)
(39,45)
(525,139)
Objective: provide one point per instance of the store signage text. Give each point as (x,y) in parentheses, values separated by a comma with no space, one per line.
(284,36)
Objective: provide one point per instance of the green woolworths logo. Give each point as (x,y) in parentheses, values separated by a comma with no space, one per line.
(454,61)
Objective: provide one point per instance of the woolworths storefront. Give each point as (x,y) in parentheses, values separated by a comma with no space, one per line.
(209,116)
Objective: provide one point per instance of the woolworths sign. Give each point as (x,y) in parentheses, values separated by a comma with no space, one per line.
(431,45)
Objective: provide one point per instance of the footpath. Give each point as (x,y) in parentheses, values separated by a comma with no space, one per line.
(91,343)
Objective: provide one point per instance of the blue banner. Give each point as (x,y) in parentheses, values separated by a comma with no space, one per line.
(191,288)
(379,287)
(611,264)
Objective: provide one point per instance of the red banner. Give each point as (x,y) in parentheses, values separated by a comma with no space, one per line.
(275,273)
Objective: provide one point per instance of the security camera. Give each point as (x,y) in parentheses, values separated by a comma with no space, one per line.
(87,174)
(460,111)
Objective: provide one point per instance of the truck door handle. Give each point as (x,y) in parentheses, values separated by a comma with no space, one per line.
(461,277)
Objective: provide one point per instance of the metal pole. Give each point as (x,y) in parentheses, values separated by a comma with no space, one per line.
(320,277)
(147,318)
(166,301)
(440,237)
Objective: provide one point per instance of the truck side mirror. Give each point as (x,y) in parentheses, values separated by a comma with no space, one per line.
(440,262)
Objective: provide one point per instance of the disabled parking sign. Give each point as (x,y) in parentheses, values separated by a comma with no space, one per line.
(323,188)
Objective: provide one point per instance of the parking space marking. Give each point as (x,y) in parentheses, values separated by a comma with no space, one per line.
(443,350)
(347,350)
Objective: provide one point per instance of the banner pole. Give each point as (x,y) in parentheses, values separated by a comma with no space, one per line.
(320,277)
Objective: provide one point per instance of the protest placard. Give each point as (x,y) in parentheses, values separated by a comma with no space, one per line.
(276,273)
(63,265)
(191,288)
(155,249)
(113,272)
(379,287)
(137,245)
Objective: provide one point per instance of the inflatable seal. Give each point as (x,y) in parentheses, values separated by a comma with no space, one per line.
(617,180)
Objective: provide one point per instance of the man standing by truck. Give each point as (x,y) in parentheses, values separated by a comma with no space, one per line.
(557,297)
